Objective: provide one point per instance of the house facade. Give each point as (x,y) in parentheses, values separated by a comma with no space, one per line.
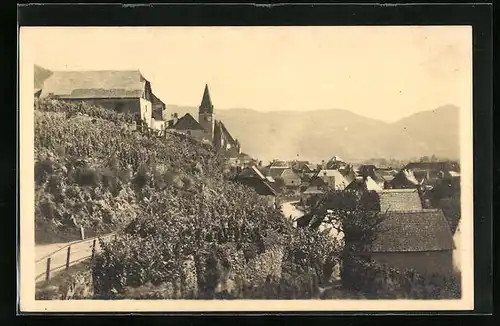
(286,174)
(187,125)
(122,91)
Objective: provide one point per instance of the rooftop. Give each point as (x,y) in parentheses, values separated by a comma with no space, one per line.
(397,200)
(94,84)
(187,122)
(414,231)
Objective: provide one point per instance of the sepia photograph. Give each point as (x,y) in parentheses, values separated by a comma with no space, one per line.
(246,168)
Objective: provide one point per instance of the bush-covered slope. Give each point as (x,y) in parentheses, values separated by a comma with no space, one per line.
(170,202)
(90,168)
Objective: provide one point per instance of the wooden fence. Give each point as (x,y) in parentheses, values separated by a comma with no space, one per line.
(73,253)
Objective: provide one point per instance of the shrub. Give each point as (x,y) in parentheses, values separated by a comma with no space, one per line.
(87,177)
(43,169)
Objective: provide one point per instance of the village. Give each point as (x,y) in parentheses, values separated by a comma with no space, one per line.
(417,197)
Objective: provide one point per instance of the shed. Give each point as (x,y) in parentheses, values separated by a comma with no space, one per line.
(420,240)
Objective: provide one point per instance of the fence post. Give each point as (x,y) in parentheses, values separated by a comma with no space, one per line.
(47,272)
(68,255)
(93,250)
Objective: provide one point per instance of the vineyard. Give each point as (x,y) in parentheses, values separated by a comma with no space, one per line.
(170,202)
(184,229)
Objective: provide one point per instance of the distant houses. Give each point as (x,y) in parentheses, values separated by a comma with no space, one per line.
(416,173)
(411,235)
(253,178)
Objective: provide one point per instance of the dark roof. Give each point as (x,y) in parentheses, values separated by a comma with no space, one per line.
(396,200)
(260,186)
(422,230)
(279,164)
(206,102)
(276,172)
(433,166)
(95,84)
(317,182)
(156,99)
(225,132)
(251,172)
(187,122)
(350,176)
(157,112)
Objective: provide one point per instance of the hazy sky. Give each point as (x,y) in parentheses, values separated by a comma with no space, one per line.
(381,72)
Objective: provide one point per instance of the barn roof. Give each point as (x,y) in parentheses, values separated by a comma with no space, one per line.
(223,130)
(261,187)
(396,200)
(276,172)
(95,84)
(413,231)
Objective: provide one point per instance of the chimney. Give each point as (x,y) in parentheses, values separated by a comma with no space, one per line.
(174,118)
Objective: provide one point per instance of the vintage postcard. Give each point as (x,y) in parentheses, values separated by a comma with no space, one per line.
(178,169)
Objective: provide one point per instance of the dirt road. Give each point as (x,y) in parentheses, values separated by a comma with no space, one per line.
(57,252)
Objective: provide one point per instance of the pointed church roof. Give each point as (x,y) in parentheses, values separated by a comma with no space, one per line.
(206,101)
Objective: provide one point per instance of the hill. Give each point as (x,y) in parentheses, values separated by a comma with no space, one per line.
(317,135)
(41,74)
(172,205)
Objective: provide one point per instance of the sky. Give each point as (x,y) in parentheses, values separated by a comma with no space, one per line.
(385,73)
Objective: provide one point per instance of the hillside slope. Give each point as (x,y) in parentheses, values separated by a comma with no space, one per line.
(40,75)
(170,203)
(317,135)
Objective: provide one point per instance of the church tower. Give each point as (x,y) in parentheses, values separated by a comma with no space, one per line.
(206,116)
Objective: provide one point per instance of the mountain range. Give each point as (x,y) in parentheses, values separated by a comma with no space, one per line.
(319,134)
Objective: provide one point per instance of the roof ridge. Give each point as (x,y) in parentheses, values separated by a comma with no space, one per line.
(100,70)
